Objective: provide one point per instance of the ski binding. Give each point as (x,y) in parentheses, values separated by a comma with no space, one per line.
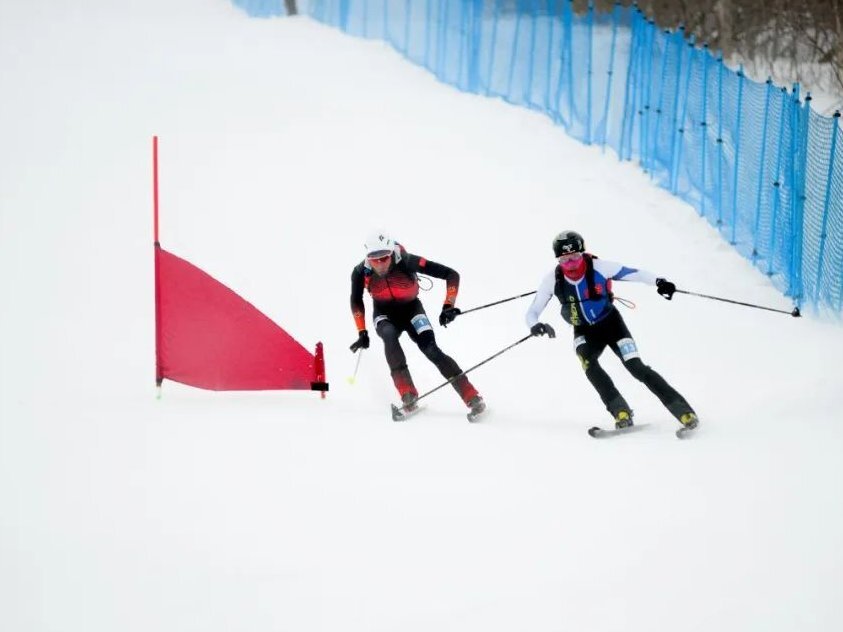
(599,433)
(474,415)
(685,432)
(402,414)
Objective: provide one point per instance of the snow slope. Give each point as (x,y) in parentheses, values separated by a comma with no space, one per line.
(282,144)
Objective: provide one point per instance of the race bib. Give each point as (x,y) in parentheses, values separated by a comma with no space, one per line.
(421,323)
(627,349)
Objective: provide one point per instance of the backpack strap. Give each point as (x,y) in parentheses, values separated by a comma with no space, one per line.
(589,274)
(589,278)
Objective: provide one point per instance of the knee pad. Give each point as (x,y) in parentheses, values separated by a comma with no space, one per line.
(427,345)
(637,368)
(385,329)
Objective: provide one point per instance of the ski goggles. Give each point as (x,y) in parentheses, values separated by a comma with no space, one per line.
(379,258)
(571,257)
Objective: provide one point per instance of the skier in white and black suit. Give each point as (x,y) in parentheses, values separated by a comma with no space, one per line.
(583,285)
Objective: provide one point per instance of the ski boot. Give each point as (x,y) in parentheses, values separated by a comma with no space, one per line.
(409,407)
(476,407)
(623,419)
(689,420)
(408,401)
(623,424)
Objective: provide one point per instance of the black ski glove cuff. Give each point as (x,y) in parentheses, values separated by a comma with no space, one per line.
(665,288)
(540,329)
(448,314)
(362,341)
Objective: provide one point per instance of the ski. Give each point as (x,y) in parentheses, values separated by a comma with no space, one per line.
(402,414)
(600,433)
(684,432)
(473,416)
(477,408)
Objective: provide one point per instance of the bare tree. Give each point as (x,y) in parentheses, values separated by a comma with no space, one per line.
(796,40)
(291,7)
(792,40)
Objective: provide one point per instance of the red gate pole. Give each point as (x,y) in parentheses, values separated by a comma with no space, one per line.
(159,375)
(319,371)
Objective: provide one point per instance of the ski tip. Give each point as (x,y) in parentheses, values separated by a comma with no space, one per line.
(476,412)
(396,413)
(595,431)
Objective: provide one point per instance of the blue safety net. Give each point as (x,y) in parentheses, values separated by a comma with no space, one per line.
(262,8)
(752,158)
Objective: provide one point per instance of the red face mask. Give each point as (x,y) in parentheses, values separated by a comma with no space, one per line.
(573,265)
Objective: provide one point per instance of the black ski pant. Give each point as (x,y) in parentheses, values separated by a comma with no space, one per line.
(410,317)
(611,331)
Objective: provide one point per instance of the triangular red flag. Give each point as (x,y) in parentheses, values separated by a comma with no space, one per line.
(209,337)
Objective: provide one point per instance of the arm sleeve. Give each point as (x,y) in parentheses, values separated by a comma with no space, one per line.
(541,299)
(358,310)
(620,272)
(439,271)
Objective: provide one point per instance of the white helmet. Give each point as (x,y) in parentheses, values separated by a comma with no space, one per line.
(379,244)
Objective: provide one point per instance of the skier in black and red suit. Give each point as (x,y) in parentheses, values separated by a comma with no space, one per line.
(389,273)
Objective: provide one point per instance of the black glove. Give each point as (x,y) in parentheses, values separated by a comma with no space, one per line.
(540,329)
(448,314)
(362,341)
(665,288)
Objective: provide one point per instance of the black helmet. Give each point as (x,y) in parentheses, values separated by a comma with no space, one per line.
(568,242)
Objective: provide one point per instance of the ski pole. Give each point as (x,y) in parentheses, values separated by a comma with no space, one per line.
(505,300)
(467,371)
(352,378)
(794,312)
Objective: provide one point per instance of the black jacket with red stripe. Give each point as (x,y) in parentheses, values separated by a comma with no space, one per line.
(398,286)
